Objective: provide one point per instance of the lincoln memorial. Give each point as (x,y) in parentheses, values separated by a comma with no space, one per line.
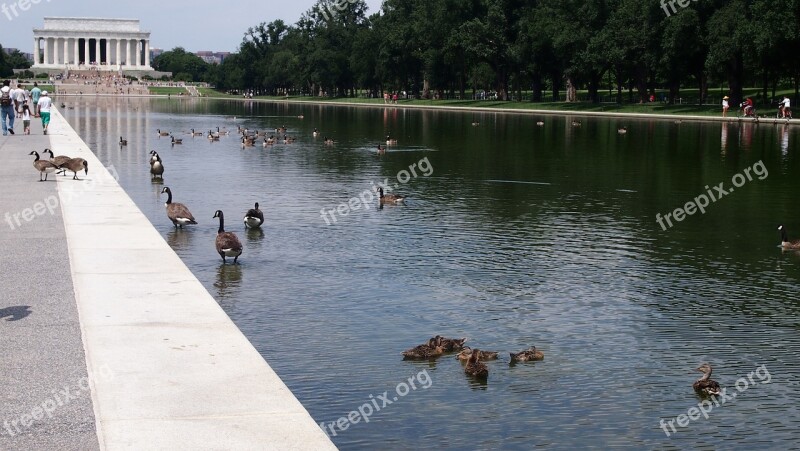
(73,43)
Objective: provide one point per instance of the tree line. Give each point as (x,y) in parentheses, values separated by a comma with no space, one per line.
(537,50)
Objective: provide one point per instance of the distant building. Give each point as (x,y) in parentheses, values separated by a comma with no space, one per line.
(212,57)
(155,52)
(10,50)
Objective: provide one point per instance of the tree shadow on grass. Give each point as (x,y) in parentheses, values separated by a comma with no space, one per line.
(15,313)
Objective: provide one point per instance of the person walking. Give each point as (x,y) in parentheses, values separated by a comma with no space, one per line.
(44,105)
(7,113)
(786,107)
(35,94)
(725,106)
(19,99)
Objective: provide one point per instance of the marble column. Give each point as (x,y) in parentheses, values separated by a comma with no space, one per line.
(127,52)
(108,52)
(117,59)
(77,51)
(86,52)
(35,51)
(97,50)
(66,51)
(46,50)
(147,52)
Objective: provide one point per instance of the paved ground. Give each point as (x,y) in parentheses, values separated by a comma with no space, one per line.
(42,363)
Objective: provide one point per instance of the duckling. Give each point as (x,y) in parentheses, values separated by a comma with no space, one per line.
(450,344)
(390,198)
(122,142)
(427,351)
(528,355)
(466,353)
(160,133)
(390,141)
(785,243)
(622,130)
(705,385)
(43,166)
(176,140)
(540,123)
(475,367)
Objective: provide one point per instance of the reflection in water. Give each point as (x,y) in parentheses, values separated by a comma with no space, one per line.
(229,281)
(785,139)
(724,138)
(179,239)
(254,236)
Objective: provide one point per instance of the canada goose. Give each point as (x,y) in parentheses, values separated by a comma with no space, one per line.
(59,160)
(785,243)
(258,133)
(160,133)
(176,141)
(576,123)
(329,141)
(390,140)
(390,198)
(177,213)
(381,149)
(74,165)
(156,166)
(466,353)
(301,117)
(222,133)
(212,136)
(475,367)
(63,105)
(247,142)
(315,133)
(194,133)
(540,123)
(227,243)
(475,124)
(705,385)
(527,355)
(43,166)
(254,217)
(122,142)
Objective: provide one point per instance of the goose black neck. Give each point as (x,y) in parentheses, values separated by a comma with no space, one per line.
(784,238)
(221,222)
(37,156)
(169,196)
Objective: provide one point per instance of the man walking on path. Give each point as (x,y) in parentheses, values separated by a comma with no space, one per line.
(7,112)
(35,93)
(43,106)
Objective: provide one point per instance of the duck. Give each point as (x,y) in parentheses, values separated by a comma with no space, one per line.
(425,351)
(705,385)
(785,243)
(176,140)
(43,166)
(59,160)
(466,353)
(227,243)
(194,133)
(74,165)
(390,140)
(254,217)
(156,166)
(622,130)
(449,344)
(390,198)
(540,123)
(527,355)
(176,212)
(475,367)
(122,142)
(315,133)
(160,133)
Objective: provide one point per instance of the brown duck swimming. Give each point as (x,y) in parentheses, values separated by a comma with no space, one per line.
(528,355)
(449,344)
(467,352)
(705,384)
(475,367)
(430,350)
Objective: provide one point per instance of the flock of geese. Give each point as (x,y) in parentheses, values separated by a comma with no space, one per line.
(60,165)
(474,358)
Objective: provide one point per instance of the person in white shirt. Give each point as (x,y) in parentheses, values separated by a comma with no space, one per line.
(20,99)
(786,107)
(44,109)
(26,119)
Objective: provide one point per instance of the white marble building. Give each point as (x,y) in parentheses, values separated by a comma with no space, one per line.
(75,43)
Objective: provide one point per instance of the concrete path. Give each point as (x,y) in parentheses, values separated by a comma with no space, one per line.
(167,369)
(42,363)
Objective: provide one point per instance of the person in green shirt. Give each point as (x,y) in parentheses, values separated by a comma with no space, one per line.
(35,93)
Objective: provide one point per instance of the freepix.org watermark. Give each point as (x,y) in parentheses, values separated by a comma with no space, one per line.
(705,407)
(699,203)
(12,10)
(377,403)
(327,10)
(671,4)
(367,197)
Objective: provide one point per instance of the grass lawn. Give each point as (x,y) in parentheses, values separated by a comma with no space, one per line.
(48,88)
(164,90)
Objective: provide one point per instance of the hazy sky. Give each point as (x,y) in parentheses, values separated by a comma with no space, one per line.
(196,25)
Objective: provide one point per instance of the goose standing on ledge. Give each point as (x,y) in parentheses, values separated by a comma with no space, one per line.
(705,385)
(227,243)
(75,165)
(785,243)
(176,212)
(254,217)
(59,160)
(43,166)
